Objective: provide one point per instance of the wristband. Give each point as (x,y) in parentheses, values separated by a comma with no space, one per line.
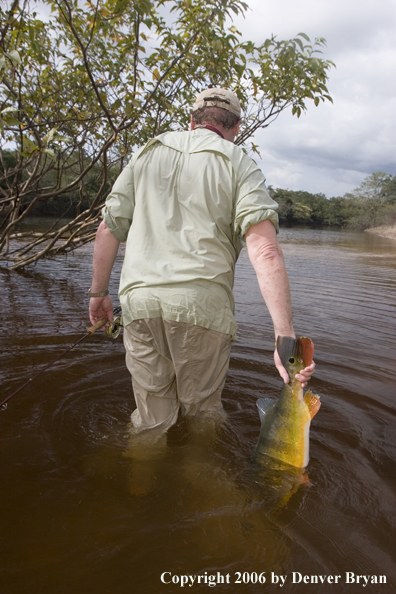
(102,294)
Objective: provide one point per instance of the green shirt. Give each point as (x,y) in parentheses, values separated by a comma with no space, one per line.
(183,204)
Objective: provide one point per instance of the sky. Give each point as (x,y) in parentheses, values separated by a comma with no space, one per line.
(333,147)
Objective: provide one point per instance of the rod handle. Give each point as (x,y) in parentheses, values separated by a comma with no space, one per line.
(98,325)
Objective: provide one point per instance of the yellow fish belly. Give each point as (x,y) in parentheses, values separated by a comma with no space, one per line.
(284,431)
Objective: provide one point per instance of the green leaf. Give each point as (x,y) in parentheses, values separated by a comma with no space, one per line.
(49,136)
(15,57)
(29,144)
(117,103)
(9,110)
(10,121)
(240,68)
(49,152)
(129,110)
(60,138)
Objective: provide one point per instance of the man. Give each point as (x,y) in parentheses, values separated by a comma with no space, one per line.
(183,204)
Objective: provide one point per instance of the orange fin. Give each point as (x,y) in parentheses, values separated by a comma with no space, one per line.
(305,350)
(304,481)
(313,403)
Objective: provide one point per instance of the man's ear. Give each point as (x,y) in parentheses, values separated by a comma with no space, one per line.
(192,123)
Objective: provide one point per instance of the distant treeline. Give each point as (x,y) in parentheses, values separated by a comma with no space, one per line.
(373,203)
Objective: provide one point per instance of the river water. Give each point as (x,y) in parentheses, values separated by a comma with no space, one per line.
(72,517)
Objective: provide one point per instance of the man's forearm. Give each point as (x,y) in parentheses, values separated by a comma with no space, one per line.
(274,286)
(105,252)
(267,260)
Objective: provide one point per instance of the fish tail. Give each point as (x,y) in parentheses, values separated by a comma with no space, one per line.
(287,348)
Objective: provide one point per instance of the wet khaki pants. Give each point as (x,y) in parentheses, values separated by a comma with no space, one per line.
(174,365)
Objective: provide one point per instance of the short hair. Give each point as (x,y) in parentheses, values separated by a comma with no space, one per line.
(215,115)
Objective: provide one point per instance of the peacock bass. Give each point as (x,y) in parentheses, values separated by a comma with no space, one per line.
(285,422)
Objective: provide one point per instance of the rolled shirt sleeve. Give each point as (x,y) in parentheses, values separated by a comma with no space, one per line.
(253,202)
(120,204)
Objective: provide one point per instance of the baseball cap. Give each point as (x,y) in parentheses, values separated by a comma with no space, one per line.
(218,98)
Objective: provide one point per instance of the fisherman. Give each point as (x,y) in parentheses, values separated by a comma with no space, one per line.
(183,205)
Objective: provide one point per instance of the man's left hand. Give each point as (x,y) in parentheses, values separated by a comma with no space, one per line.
(304,376)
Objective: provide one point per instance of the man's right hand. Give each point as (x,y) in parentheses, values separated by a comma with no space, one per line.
(99,308)
(105,252)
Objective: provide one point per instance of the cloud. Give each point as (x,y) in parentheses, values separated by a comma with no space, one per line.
(331,148)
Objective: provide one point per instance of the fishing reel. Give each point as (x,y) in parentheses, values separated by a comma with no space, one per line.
(114,328)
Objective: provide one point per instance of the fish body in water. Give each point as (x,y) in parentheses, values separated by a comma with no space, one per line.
(285,422)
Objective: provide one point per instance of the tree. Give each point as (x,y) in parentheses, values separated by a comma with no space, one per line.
(301,207)
(80,92)
(374,187)
(374,201)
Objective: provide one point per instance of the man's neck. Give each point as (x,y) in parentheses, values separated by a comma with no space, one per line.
(210,127)
(226,133)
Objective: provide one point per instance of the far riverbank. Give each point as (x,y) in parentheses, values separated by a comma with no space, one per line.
(384,231)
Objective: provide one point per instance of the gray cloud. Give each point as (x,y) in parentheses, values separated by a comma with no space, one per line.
(332,148)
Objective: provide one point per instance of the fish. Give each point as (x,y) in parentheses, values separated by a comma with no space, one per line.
(285,422)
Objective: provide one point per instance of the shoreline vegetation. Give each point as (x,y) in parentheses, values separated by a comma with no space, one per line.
(371,205)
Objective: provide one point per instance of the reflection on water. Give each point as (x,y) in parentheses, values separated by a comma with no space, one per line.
(84,510)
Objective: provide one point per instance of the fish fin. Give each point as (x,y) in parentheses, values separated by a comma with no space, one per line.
(304,481)
(305,350)
(313,402)
(286,347)
(263,405)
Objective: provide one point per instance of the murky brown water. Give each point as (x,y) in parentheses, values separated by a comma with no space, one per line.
(70,521)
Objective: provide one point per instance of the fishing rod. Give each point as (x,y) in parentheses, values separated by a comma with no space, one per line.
(113,331)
